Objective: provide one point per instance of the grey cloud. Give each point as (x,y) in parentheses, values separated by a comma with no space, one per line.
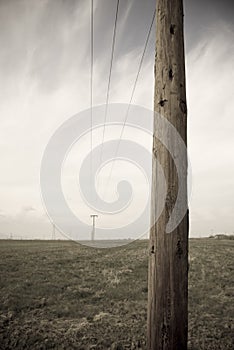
(201,15)
(51,39)
(28,208)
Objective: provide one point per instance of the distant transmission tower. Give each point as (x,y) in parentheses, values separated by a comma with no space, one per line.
(93,216)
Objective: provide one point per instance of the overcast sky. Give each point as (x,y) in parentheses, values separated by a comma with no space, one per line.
(45,77)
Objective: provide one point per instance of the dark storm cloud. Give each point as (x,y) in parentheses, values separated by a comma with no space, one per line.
(133,22)
(199,15)
(202,15)
(57,43)
(52,38)
(42,38)
(131,33)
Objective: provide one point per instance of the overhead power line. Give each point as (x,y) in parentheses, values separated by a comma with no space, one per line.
(109,79)
(91,91)
(131,98)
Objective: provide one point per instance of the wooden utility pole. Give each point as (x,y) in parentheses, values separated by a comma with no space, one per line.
(93,216)
(168,262)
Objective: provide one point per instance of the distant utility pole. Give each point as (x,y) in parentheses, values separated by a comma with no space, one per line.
(93,216)
(168,261)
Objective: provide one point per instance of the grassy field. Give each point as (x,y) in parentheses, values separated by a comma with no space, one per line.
(60,295)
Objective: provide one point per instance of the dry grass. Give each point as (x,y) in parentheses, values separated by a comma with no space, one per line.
(59,295)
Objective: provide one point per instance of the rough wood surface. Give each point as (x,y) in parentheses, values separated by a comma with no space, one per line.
(168,261)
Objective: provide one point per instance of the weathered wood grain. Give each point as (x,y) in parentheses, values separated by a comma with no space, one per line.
(168,260)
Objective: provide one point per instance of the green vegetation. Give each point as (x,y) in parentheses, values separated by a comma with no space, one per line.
(60,295)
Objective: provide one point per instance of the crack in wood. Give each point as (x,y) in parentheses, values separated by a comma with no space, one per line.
(183,106)
(162,102)
(179,250)
(172,29)
(171,75)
